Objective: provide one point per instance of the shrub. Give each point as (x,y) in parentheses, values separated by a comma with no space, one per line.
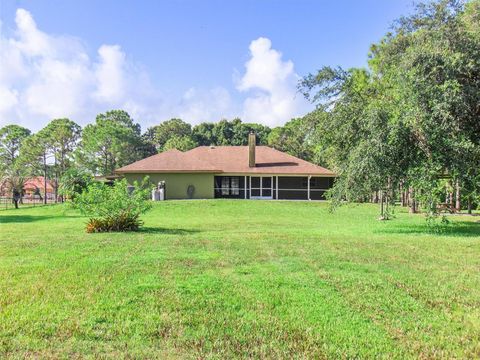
(73,182)
(123,222)
(113,208)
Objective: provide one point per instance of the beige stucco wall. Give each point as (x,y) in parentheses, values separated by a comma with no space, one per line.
(176,184)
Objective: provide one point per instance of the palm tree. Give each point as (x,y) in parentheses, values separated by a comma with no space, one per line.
(13,179)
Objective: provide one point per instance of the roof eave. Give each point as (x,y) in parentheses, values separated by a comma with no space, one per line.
(246,173)
(120,171)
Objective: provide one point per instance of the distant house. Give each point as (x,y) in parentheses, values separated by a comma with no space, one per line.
(241,172)
(33,186)
(36,186)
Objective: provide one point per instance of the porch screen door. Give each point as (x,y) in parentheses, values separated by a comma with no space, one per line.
(261,187)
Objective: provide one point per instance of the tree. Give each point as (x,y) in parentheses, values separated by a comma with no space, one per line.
(183,143)
(354,133)
(412,116)
(74,181)
(227,132)
(147,147)
(161,133)
(203,135)
(12,174)
(35,157)
(13,178)
(223,131)
(433,61)
(241,131)
(11,139)
(113,208)
(114,140)
(61,137)
(176,133)
(296,137)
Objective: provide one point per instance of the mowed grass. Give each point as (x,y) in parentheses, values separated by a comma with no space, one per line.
(236,279)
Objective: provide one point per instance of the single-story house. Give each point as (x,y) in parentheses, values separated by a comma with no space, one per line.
(242,172)
(36,186)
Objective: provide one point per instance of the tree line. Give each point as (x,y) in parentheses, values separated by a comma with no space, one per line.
(407,126)
(65,153)
(403,128)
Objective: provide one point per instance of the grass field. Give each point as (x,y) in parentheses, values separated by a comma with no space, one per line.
(223,279)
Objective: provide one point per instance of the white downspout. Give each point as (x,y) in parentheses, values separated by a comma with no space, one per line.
(250,187)
(276,188)
(308,186)
(245,188)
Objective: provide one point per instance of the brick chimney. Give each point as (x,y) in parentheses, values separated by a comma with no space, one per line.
(252,139)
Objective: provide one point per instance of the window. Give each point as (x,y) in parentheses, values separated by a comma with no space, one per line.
(234,185)
(225,186)
(228,186)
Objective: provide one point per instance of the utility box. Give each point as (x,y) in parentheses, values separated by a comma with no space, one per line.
(158,194)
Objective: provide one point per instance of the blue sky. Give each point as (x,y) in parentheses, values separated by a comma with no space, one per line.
(192,59)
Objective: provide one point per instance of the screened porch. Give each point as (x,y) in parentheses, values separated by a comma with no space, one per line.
(272,187)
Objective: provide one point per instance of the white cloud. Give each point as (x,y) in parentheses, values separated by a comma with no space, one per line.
(9,98)
(47,76)
(207,105)
(31,41)
(44,76)
(273,82)
(110,73)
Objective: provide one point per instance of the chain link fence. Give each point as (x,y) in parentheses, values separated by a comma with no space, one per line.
(24,202)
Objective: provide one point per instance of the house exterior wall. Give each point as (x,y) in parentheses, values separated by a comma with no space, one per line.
(176,184)
(208,186)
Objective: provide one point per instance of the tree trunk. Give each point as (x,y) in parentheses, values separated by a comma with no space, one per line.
(16,196)
(458,204)
(106,165)
(402,197)
(450,193)
(386,206)
(469,205)
(381,205)
(62,169)
(390,193)
(44,178)
(411,201)
(56,181)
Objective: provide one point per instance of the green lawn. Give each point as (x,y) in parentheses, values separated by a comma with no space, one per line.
(223,279)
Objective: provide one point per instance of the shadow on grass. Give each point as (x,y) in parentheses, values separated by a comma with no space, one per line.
(159,230)
(23,218)
(11,219)
(457,228)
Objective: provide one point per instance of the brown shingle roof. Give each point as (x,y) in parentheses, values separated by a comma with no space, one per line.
(169,161)
(225,159)
(38,182)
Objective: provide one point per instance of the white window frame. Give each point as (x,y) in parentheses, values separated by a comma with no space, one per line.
(261,196)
